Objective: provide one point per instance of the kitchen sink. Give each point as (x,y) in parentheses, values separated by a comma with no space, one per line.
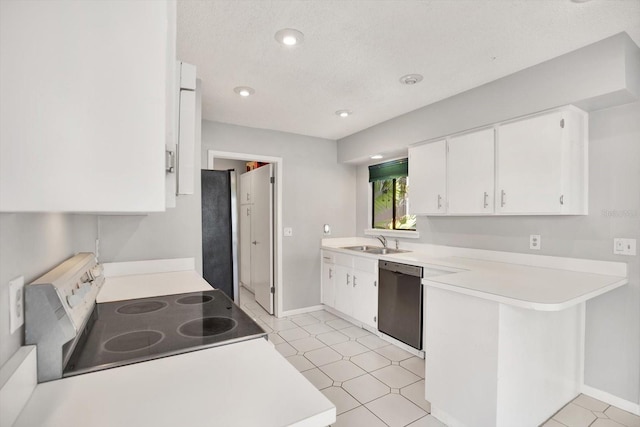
(374,250)
(362,248)
(384,251)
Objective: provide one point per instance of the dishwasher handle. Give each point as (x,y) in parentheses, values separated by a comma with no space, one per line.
(410,270)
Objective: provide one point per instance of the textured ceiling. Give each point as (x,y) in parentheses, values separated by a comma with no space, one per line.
(354,52)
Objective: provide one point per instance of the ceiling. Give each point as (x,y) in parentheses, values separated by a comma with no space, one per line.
(354,52)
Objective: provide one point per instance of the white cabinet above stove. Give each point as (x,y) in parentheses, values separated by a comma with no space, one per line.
(86,105)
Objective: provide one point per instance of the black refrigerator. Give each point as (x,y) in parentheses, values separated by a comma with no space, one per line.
(219,231)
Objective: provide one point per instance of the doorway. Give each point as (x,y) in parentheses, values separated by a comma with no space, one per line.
(274,265)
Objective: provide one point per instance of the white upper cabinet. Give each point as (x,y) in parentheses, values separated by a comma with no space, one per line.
(536,165)
(85,105)
(542,164)
(428,178)
(471,171)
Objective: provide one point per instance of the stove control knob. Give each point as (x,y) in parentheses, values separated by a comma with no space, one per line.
(83,290)
(74,300)
(97,270)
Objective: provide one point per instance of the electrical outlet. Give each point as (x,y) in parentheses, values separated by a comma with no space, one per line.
(288,231)
(16,303)
(624,246)
(326,230)
(534,242)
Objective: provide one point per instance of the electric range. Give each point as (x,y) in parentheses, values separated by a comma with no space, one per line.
(75,335)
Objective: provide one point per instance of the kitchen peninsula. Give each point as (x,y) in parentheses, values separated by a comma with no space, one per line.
(504,332)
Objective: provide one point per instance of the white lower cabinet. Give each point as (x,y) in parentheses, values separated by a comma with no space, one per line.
(350,285)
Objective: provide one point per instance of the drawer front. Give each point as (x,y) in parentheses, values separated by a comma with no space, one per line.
(328,257)
(367,265)
(344,260)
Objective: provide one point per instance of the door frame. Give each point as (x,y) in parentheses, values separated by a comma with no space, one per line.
(277,255)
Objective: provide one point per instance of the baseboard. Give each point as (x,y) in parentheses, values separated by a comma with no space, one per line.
(609,398)
(301,310)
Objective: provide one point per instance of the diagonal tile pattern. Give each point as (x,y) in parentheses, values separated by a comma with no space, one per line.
(374,383)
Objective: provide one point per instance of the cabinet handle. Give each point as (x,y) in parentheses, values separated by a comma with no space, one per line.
(562,199)
(330,274)
(486,204)
(375,283)
(503,198)
(248,211)
(247,197)
(255,242)
(348,278)
(375,318)
(354,281)
(439,201)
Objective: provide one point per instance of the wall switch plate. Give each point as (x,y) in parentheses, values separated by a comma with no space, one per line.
(534,242)
(16,303)
(288,231)
(326,230)
(624,246)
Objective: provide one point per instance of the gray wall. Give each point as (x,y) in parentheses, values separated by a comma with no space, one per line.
(30,245)
(316,190)
(175,233)
(604,74)
(613,320)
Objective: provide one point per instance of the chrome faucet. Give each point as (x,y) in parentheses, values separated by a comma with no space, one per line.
(383,240)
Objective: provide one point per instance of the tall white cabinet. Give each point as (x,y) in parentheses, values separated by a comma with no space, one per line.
(256,234)
(86,102)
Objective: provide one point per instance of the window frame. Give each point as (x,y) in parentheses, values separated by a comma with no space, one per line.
(395,232)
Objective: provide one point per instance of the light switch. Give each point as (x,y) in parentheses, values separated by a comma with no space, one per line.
(624,246)
(288,231)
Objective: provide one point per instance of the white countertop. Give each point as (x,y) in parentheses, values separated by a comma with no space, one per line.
(531,287)
(243,384)
(151,285)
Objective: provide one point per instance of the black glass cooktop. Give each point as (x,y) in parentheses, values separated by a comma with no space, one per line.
(124,332)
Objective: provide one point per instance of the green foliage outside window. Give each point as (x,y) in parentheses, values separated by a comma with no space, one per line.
(391,205)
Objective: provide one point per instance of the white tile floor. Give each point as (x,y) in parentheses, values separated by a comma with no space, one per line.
(376,384)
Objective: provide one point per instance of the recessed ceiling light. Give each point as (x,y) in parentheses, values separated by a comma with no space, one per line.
(244,91)
(376,156)
(289,37)
(411,79)
(343,113)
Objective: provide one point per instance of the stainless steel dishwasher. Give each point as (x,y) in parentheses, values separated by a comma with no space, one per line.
(400,302)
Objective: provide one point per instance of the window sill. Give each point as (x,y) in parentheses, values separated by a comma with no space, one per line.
(409,234)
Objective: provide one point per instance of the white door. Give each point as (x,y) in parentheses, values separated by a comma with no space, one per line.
(344,290)
(262,237)
(470,167)
(428,178)
(530,165)
(328,281)
(365,295)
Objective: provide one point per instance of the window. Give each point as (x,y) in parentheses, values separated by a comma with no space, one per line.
(390,201)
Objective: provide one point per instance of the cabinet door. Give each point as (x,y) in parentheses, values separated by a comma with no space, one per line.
(245,188)
(328,281)
(87,131)
(344,289)
(470,169)
(365,297)
(530,155)
(427,178)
